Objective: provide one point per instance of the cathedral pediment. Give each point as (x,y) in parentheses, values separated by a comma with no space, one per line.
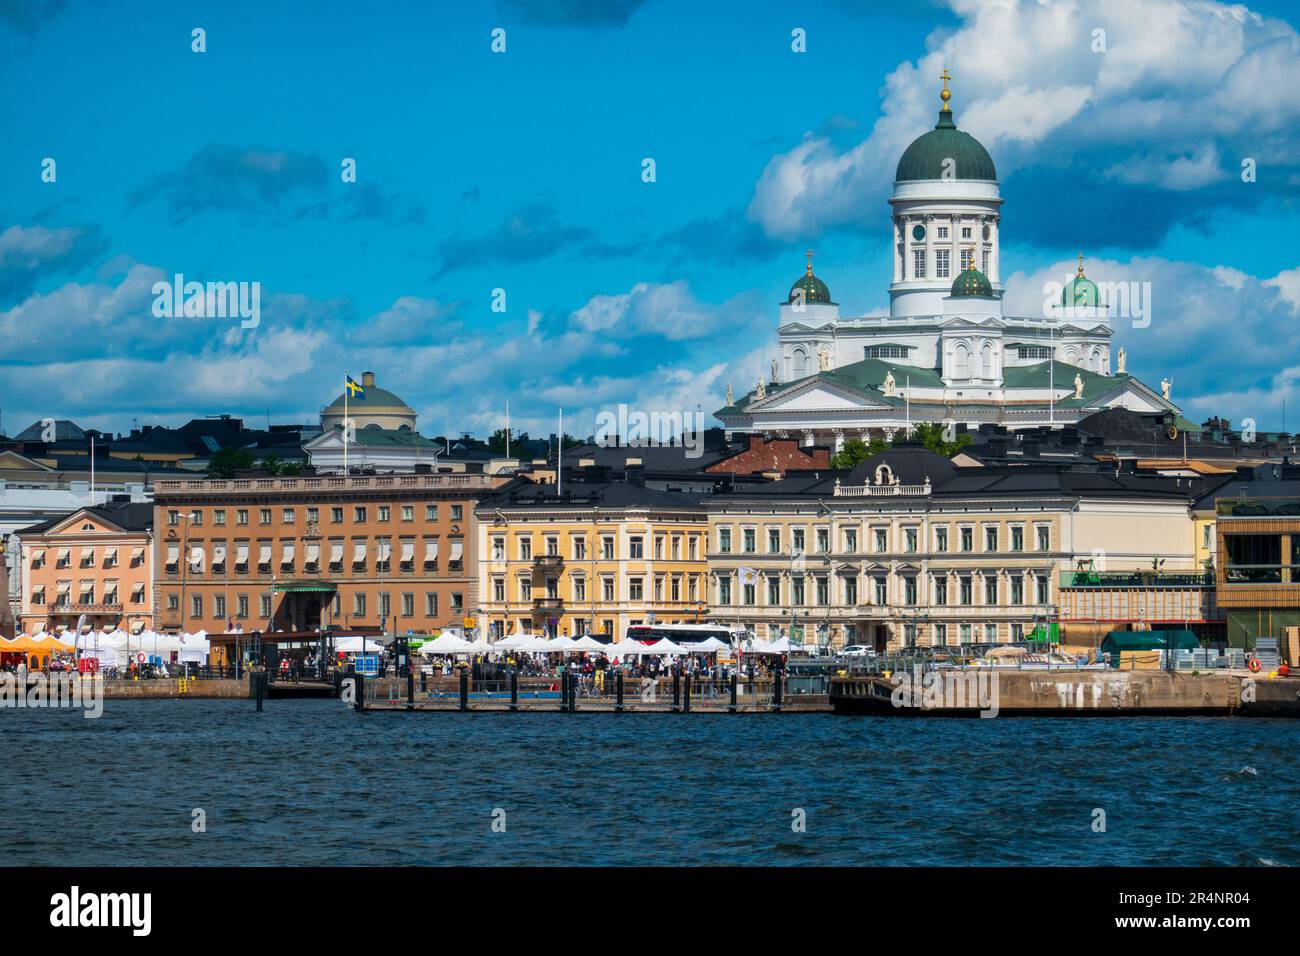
(961,322)
(816,395)
(797,327)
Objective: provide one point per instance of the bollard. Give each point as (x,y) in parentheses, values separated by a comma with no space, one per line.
(514,690)
(618,700)
(464,688)
(260,681)
(359,688)
(776,691)
(686,698)
(410,689)
(732,706)
(677,691)
(424,682)
(573,693)
(564,692)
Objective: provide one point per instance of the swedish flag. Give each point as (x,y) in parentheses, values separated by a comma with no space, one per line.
(354,388)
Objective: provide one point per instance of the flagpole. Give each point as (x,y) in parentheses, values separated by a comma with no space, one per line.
(345,422)
(559,458)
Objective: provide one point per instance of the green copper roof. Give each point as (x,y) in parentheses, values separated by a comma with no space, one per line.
(924,159)
(814,289)
(1080,291)
(972,282)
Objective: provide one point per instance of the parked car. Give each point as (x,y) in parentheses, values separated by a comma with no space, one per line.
(858,650)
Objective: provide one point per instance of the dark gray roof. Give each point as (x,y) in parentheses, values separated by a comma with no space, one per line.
(583,495)
(129,516)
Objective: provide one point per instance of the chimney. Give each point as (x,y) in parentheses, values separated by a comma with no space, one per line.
(367,379)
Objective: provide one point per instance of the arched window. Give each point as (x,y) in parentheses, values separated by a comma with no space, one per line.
(960,361)
(988,362)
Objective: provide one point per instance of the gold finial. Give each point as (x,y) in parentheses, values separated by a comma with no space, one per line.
(809,254)
(1080,273)
(945,95)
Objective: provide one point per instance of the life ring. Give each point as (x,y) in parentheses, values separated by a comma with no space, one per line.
(1253,664)
(139,658)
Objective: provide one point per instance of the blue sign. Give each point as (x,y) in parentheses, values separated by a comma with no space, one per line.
(368,665)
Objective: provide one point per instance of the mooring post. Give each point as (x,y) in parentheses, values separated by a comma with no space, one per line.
(360,689)
(732,706)
(464,688)
(424,682)
(514,689)
(573,692)
(410,689)
(677,691)
(776,691)
(618,685)
(260,680)
(686,698)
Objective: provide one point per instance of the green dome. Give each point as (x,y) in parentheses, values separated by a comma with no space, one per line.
(971,282)
(814,289)
(924,159)
(1081,291)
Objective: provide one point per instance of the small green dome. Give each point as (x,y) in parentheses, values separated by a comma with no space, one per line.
(971,282)
(925,158)
(814,289)
(1081,291)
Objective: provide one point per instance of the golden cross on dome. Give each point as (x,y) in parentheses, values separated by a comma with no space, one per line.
(1081,264)
(945,95)
(809,254)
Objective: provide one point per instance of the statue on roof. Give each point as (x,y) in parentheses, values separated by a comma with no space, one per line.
(824,358)
(887,388)
(773,371)
(761,391)
(1121,361)
(731,396)
(1078,385)
(1165,385)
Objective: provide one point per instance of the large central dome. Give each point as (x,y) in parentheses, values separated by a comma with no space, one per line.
(924,159)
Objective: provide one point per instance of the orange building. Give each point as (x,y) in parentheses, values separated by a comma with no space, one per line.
(96,561)
(302,552)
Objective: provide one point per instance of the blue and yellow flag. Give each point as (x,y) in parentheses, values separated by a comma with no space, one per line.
(354,388)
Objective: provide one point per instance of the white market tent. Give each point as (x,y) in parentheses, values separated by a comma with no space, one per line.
(589,643)
(710,645)
(447,644)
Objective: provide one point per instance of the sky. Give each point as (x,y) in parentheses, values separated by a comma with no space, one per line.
(500,241)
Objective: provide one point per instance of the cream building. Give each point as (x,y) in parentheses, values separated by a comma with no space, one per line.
(597,558)
(907,547)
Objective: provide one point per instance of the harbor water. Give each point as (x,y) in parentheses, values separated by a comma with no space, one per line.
(312,782)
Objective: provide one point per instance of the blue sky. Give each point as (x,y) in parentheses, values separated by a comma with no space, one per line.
(522,171)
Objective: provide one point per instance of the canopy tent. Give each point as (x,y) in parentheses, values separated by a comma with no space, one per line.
(40,644)
(195,648)
(560,645)
(709,645)
(589,643)
(447,644)
(758,646)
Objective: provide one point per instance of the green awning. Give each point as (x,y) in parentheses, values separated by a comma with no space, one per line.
(301,587)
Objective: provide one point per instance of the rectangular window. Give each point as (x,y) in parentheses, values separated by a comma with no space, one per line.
(635,548)
(286,516)
(773,591)
(942,264)
(909,589)
(457,512)
(749,543)
(940,590)
(431,600)
(579,549)
(965,232)
(724,540)
(635,589)
(941,539)
(525,549)
(991,591)
(1041,593)
(264,516)
(773,540)
(408,512)
(851,540)
(1017,589)
(219,516)
(967,256)
(359,604)
(1044,535)
(1017,538)
(359,514)
(384,512)
(607,548)
(796,591)
(724,590)
(918,263)
(430,512)
(909,540)
(219,606)
(607,589)
(823,540)
(991,538)
(408,604)
(580,589)
(943,232)
(241,606)
(851,591)
(967,539)
(241,516)
(967,592)
(881,586)
(823,590)
(882,540)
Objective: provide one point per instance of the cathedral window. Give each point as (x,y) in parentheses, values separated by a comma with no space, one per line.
(941,263)
(886,351)
(966,259)
(918,264)
(943,232)
(965,232)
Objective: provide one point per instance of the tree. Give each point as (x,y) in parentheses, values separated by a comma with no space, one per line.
(930,434)
(497,443)
(227,461)
(855,451)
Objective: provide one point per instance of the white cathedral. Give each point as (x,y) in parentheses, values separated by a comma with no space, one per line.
(946,352)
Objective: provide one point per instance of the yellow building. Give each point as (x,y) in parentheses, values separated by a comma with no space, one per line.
(599,557)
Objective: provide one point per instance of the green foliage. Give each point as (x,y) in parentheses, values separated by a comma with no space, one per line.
(227,461)
(855,451)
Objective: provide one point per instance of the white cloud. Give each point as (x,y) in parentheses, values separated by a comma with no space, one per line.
(1181,83)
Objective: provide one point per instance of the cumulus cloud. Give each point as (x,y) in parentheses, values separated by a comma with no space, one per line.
(1183,90)
(28,253)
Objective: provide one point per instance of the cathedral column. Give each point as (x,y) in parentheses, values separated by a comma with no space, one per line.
(995,266)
